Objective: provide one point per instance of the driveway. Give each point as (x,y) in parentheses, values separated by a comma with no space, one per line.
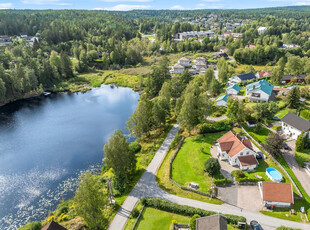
(300,173)
(212,119)
(243,196)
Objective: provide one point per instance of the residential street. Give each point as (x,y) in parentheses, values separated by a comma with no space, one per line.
(147,187)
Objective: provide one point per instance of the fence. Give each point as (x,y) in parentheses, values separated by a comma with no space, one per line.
(134,226)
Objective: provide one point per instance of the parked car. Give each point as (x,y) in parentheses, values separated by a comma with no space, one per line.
(285,146)
(259,155)
(276,118)
(255,225)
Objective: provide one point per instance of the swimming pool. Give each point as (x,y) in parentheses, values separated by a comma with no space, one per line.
(274,174)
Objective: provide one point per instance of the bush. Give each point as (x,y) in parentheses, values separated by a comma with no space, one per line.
(212,166)
(239,174)
(186,210)
(134,147)
(193,221)
(32,226)
(215,127)
(135,213)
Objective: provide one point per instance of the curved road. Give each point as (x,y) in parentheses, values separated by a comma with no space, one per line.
(147,187)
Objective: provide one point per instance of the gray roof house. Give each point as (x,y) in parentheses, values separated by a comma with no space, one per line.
(214,222)
(293,125)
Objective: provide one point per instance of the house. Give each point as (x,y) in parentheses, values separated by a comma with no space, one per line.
(23,35)
(262,74)
(177,69)
(276,194)
(192,71)
(214,222)
(222,100)
(290,46)
(233,89)
(200,59)
(202,70)
(293,125)
(262,30)
(185,61)
(220,55)
(193,34)
(259,91)
(52,225)
(248,162)
(231,146)
(223,49)
(251,46)
(242,77)
(199,65)
(287,78)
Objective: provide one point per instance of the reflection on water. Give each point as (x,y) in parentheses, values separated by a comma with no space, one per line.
(46,142)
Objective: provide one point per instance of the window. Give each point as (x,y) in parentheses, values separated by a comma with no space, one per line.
(241,154)
(247,153)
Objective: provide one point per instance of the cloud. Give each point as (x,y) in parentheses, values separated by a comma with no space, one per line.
(125,7)
(177,7)
(5,6)
(46,2)
(126,0)
(209,6)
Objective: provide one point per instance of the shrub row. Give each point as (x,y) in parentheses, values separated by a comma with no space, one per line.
(246,179)
(186,210)
(222,182)
(215,127)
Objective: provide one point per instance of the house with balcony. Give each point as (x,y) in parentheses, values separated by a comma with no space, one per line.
(259,91)
(237,150)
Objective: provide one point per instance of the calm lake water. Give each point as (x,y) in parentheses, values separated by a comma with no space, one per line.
(46,142)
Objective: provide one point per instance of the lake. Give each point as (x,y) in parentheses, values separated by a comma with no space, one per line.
(46,142)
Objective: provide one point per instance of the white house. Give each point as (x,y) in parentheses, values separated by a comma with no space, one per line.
(185,61)
(199,65)
(177,69)
(200,59)
(241,78)
(262,30)
(232,147)
(276,194)
(259,91)
(293,125)
(233,89)
(222,100)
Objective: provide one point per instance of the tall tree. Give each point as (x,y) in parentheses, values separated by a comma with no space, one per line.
(274,144)
(161,111)
(66,65)
(223,70)
(141,121)
(293,98)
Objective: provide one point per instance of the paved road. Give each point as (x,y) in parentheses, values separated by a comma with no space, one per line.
(147,187)
(212,119)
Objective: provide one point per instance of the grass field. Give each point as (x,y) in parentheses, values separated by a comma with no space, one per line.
(302,157)
(188,165)
(258,136)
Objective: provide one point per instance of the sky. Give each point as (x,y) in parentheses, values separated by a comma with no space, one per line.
(146,4)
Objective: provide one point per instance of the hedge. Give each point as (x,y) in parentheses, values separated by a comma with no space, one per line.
(219,182)
(187,210)
(215,127)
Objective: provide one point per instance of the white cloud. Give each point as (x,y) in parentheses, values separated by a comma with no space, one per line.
(209,6)
(177,7)
(5,6)
(126,0)
(125,7)
(45,2)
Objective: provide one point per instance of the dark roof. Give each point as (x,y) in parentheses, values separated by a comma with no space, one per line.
(248,160)
(289,77)
(296,121)
(53,226)
(214,222)
(246,76)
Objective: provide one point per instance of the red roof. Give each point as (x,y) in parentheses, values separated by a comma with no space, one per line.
(232,143)
(277,192)
(248,160)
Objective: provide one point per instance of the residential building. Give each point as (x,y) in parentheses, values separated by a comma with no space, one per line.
(214,222)
(259,91)
(276,194)
(177,69)
(262,74)
(262,30)
(293,125)
(232,147)
(290,46)
(222,100)
(287,78)
(199,65)
(251,46)
(223,49)
(52,225)
(200,59)
(241,78)
(185,61)
(23,35)
(192,34)
(220,55)
(233,89)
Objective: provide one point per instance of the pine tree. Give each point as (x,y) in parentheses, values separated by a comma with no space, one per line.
(293,98)
(300,142)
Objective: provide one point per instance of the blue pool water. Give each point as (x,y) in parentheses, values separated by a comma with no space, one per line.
(274,174)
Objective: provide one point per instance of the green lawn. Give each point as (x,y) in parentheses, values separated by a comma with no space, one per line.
(258,136)
(302,157)
(188,165)
(154,219)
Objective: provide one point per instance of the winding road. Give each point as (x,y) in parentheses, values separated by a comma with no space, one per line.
(147,187)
